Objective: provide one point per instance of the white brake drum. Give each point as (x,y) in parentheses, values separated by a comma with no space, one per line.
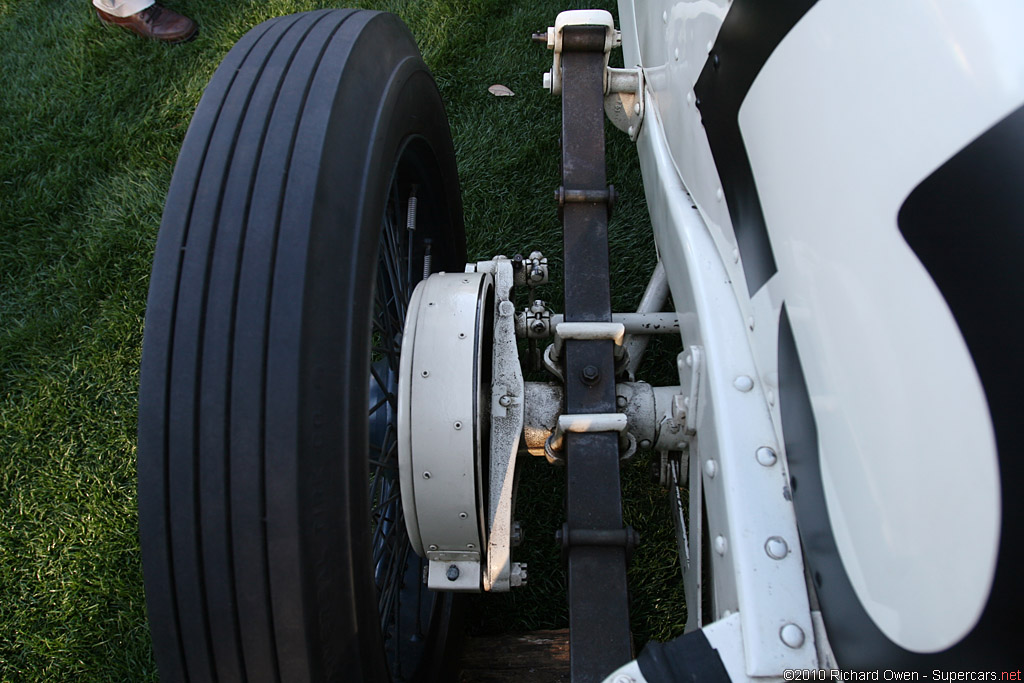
(443,385)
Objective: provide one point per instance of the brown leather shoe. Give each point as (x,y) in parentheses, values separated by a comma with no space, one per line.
(156,22)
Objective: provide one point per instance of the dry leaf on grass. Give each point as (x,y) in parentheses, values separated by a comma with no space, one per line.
(500,90)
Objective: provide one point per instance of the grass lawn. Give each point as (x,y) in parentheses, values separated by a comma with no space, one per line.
(91,119)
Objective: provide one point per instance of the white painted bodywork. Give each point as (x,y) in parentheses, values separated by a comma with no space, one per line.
(857,105)
(747,502)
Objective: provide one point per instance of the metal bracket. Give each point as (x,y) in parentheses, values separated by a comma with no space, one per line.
(623,88)
(500,573)
(587,331)
(578,17)
(534,322)
(644,407)
(624,99)
(686,404)
(588,423)
(531,271)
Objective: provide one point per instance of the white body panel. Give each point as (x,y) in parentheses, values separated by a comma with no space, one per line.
(895,392)
(747,501)
(858,104)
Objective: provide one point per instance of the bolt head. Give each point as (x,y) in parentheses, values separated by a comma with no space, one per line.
(743,383)
(721,545)
(590,374)
(452,573)
(776,547)
(505,401)
(766,456)
(710,468)
(792,635)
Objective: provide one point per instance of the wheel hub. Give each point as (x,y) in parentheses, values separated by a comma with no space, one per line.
(443,423)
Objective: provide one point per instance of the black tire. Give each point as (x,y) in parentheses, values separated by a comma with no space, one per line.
(269,543)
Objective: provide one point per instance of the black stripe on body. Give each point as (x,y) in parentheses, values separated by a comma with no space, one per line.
(750,33)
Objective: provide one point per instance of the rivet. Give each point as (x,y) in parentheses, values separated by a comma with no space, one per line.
(771,397)
(721,545)
(505,401)
(463,515)
(766,456)
(636,108)
(719,194)
(792,635)
(743,383)
(630,131)
(432,547)
(664,16)
(676,54)
(710,468)
(426,475)
(506,308)
(623,678)
(457,425)
(735,255)
(750,323)
(452,573)
(776,547)
(689,361)
(711,45)
(689,97)
(621,401)
(645,443)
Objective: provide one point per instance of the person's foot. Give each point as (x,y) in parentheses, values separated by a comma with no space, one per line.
(156,22)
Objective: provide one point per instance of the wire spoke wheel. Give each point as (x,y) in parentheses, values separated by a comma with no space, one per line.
(315,188)
(407,609)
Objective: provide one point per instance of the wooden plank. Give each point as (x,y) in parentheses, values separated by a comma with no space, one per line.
(538,657)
